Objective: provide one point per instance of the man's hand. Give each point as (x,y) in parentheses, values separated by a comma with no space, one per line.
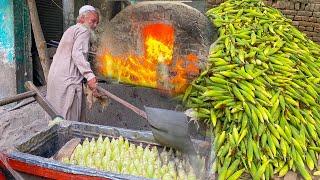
(92,84)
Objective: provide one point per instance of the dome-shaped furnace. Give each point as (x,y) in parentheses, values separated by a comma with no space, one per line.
(155,44)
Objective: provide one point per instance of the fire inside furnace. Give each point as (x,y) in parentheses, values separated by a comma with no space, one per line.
(156,68)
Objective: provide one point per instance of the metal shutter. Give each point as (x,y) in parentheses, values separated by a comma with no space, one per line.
(51,18)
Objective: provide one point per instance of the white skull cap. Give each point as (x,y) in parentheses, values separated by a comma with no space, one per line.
(86,8)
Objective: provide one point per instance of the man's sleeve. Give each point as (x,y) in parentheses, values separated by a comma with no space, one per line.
(79,54)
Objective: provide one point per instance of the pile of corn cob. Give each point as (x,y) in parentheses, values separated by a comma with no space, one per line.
(121,156)
(259,93)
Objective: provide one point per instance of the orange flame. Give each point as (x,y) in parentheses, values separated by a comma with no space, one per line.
(155,68)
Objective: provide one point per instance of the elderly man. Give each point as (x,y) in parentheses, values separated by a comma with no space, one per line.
(70,67)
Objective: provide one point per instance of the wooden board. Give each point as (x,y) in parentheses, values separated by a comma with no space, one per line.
(67,149)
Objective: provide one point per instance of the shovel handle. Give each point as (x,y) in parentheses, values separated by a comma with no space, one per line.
(123,102)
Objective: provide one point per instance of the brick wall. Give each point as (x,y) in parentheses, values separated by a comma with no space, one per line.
(304,13)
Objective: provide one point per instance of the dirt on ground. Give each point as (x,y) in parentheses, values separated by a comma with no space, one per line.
(19,124)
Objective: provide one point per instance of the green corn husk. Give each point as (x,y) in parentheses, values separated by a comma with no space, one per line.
(259,93)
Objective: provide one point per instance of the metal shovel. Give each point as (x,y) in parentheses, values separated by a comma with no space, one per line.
(169,128)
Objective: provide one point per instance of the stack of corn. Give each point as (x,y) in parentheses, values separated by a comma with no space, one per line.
(259,93)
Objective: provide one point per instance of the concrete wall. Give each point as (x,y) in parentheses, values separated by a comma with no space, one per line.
(304,13)
(68,14)
(7,62)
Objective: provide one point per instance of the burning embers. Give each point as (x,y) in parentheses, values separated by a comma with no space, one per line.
(158,67)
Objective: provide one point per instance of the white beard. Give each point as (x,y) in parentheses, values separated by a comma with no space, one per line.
(93,36)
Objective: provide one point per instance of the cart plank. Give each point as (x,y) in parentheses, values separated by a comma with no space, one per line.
(67,149)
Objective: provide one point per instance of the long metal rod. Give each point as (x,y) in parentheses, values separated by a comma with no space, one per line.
(123,102)
(17,97)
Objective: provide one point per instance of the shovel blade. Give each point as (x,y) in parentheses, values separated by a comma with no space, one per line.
(170,128)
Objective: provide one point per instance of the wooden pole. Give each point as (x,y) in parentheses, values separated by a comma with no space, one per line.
(39,38)
(42,101)
(16,98)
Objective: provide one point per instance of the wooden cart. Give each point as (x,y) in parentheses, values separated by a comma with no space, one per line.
(35,155)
